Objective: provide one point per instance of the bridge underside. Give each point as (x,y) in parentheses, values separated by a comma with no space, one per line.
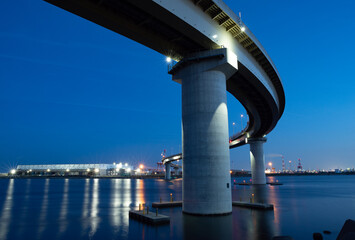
(147,22)
(136,20)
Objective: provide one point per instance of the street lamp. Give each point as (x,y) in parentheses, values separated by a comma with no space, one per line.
(233,128)
(270,165)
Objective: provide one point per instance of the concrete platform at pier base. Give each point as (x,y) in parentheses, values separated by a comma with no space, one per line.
(166,204)
(150,218)
(274,183)
(245,184)
(261,206)
(249,184)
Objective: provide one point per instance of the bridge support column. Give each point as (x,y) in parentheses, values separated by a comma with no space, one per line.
(168,171)
(206,179)
(257,160)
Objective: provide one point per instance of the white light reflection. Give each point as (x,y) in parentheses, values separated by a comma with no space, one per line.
(115,203)
(5,218)
(43,213)
(120,199)
(64,208)
(85,210)
(24,209)
(127,194)
(94,219)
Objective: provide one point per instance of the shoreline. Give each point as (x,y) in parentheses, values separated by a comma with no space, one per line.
(161,176)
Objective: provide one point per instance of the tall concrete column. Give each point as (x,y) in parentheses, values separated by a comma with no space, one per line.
(205,147)
(257,160)
(168,171)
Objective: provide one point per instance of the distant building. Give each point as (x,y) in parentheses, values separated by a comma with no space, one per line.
(72,170)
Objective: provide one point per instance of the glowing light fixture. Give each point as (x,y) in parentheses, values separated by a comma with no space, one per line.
(97,170)
(67,170)
(88,169)
(128,170)
(168,59)
(243,29)
(13,171)
(48,170)
(215,36)
(141,166)
(119,166)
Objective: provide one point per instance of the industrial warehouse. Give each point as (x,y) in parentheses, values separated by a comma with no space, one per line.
(74,170)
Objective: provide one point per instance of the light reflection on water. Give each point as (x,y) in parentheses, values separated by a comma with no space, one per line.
(94,218)
(24,206)
(43,214)
(64,208)
(5,218)
(85,211)
(98,209)
(120,199)
(140,192)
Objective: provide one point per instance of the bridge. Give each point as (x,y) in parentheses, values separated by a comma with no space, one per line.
(215,52)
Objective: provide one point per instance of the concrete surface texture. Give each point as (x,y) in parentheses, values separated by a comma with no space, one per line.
(257,160)
(206,177)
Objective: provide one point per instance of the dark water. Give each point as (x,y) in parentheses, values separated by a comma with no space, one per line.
(98,209)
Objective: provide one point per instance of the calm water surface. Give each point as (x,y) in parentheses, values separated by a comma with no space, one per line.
(98,209)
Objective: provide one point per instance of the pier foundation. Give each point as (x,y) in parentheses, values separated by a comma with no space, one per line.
(257,160)
(205,147)
(168,171)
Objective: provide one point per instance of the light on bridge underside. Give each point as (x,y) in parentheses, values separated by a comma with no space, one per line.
(168,59)
(215,36)
(242,28)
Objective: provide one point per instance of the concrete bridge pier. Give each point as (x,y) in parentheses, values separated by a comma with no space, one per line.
(168,171)
(257,160)
(206,179)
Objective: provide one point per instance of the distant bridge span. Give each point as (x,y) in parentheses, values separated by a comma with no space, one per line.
(215,52)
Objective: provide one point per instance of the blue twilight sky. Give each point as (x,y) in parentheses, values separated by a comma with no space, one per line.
(74,92)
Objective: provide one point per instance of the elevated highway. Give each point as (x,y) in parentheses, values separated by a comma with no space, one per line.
(215,52)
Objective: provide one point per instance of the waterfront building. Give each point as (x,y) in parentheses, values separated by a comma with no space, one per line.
(72,170)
